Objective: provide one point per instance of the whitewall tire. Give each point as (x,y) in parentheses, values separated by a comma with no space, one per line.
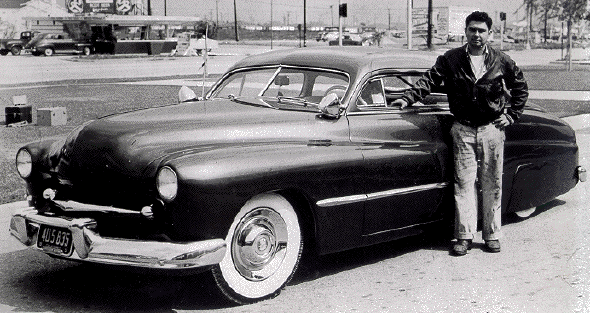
(264,245)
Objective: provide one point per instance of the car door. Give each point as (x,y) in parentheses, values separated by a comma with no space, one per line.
(405,160)
(64,43)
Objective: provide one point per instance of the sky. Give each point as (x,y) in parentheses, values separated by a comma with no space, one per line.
(370,12)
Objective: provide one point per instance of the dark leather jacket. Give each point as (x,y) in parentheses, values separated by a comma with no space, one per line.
(474,102)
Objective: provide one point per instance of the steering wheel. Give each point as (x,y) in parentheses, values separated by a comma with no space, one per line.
(333,88)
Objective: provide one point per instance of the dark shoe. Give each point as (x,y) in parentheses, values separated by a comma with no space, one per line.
(461,247)
(493,246)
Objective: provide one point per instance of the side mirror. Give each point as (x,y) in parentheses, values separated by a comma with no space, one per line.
(330,105)
(186,94)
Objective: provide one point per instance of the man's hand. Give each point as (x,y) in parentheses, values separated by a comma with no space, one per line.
(502,121)
(401,103)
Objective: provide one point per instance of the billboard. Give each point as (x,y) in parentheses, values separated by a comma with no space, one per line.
(121,7)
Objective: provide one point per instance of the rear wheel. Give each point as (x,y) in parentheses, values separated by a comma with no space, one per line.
(86,51)
(48,52)
(264,247)
(15,50)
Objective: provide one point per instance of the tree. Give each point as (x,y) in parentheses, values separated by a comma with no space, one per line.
(572,11)
(549,9)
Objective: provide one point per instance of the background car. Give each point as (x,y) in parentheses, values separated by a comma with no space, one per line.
(50,43)
(291,154)
(15,46)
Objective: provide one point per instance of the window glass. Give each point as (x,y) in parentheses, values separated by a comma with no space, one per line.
(371,94)
(249,83)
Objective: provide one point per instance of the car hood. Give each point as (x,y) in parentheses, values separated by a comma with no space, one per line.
(129,143)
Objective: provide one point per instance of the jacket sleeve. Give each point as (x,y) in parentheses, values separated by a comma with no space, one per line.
(433,78)
(518,89)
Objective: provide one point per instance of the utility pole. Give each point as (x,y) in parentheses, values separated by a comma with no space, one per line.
(409,26)
(388,19)
(304,20)
(429,20)
(236,21)
(340,23)
(332,14)
(271,30)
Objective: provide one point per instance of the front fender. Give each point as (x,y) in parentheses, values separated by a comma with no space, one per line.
(213,185)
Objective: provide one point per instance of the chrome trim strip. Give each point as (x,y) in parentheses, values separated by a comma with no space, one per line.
(378,195)
(403,191)
(91,247)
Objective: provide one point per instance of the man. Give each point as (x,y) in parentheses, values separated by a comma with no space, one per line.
(474,77)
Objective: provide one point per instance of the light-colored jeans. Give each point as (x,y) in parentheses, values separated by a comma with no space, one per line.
(478,159)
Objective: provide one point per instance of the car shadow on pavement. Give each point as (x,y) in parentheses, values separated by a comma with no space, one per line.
(33,282)
(439,239)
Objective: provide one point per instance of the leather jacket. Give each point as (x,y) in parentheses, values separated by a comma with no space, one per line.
(474,102)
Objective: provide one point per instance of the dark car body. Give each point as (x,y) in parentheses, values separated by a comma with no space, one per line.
(15,46)
(50,43)
(261,175)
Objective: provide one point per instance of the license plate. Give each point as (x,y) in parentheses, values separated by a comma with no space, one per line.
(54,239)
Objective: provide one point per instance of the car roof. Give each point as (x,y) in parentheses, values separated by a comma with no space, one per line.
(350,59)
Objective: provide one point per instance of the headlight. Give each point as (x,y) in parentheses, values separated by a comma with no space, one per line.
(24,163)
(167,183)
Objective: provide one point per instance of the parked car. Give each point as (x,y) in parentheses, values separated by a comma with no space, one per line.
(15,46)
(290,153)
(51,43)
(348,39)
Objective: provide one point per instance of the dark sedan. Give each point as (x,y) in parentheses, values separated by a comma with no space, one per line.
(291,152)
(50,43)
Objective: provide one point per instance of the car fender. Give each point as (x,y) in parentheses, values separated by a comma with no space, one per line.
(215,184)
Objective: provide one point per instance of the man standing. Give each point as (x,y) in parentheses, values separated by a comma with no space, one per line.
(474,77)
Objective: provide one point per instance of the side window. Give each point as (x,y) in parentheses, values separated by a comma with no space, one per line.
(286,84)
(372,95)
(398,83)
(328,83)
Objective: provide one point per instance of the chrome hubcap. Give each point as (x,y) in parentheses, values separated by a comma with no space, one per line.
(259,244)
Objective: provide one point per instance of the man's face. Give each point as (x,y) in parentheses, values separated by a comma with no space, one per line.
(477,34)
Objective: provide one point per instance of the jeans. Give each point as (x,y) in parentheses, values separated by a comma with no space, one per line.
(478,163)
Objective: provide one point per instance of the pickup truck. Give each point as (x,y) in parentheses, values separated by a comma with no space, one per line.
(15,46)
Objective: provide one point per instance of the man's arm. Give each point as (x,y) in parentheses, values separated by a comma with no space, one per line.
(518,88)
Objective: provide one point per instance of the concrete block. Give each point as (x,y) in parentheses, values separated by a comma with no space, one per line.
(52,116)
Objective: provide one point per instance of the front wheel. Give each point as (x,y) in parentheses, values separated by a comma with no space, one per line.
(86,51)
(15,50)
(264,247)
(48,52)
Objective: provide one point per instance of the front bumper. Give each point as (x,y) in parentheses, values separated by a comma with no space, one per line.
(91,247)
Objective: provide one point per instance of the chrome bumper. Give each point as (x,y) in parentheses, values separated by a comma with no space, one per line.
(89,246)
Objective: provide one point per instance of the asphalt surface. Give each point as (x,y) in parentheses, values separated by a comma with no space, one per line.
(544,265)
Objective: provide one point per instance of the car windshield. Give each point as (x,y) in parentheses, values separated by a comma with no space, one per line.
(297,85)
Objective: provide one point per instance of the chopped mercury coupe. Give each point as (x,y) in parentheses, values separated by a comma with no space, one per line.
(289,150)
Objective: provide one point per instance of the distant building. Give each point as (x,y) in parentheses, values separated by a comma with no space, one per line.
(14,13)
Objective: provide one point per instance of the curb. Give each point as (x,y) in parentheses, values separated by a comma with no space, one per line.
(14,205)
(578,122)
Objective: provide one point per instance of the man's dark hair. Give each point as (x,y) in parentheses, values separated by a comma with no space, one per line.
(479,17)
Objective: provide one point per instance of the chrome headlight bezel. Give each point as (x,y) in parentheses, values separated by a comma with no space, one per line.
(167,183)
(24,163)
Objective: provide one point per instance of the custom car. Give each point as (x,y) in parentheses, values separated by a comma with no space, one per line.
(290,152)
